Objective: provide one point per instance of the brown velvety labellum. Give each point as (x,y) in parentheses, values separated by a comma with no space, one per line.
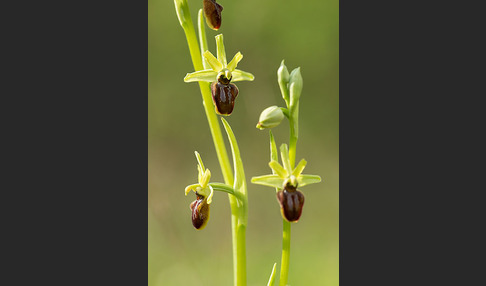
(291,203)
(200,212)
(212,11)
(224,96)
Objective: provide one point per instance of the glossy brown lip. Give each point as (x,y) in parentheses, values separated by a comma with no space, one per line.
(224,96)
(291,203)
(200,212)
(212,11)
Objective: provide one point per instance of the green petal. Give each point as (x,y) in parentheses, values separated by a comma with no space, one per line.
(205,179)
(210,197)
(308,179)
(200,173)
(269,180)
(212,61)
(278,169)
(300,167)
(204,75)
(191,188)
(239,75)
(234,62)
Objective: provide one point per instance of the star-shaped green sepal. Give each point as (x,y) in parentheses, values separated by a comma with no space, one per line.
(284,175)
(220,67)
(221,75)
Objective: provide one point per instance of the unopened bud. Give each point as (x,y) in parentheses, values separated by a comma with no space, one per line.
(270,117)
(283,80)
(295,86)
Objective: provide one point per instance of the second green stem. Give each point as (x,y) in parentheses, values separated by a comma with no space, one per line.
(284,268)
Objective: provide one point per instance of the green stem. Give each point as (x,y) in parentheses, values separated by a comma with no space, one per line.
(227,189)
(238,234)
(293,124)
(284,269)
(241,255)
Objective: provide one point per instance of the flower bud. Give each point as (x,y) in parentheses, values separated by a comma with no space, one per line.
(283,80)
(224,96)
(291,203)
(200,212)
(295,87)
(212,11)
(270,117)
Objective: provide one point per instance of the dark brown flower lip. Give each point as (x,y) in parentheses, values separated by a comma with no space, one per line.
(224,96)
(291,203)
(200,212)
(212,12)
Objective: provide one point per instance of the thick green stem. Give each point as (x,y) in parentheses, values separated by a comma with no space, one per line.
(284,269)
(241,255)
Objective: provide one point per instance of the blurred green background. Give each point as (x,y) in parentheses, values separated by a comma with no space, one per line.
(305,34)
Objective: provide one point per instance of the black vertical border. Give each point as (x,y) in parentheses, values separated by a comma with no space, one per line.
(409,143)
(75,142)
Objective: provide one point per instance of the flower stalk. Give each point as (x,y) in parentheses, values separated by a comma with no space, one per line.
(287,177)
(237,195)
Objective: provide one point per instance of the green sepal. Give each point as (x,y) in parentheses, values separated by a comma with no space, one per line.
(204,75)
(271,280)
(278,169)
(234,62)
(269,181)
(239,75)
(212,61)
(305,180)
(220,50)
(299,168)
(284,153)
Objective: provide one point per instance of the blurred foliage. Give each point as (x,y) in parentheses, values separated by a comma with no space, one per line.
(305,34)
